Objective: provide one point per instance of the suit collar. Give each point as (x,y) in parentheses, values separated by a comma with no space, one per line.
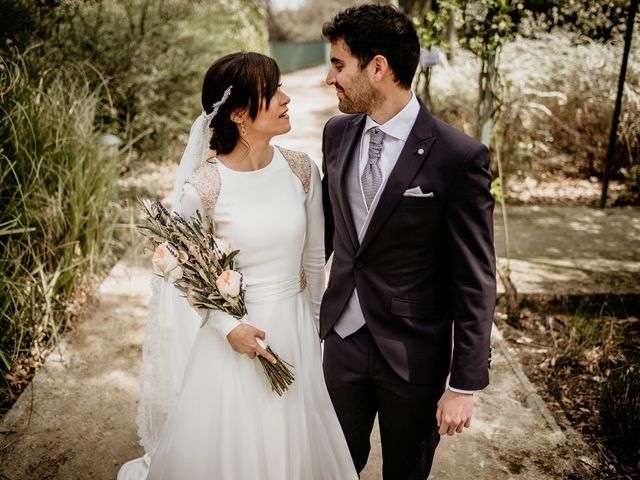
(350,138)
(401,124)
(413,155)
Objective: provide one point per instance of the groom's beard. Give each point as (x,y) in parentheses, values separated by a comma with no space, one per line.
(361,98)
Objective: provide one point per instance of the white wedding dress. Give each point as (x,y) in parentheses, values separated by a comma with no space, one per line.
(227,423)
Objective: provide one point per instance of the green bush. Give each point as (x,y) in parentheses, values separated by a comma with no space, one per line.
(151,54)
(58,208)
(69,72)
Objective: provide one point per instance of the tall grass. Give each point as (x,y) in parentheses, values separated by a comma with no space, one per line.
(58,210)
(620,414)
(556,104)
(132,68)
(152,54)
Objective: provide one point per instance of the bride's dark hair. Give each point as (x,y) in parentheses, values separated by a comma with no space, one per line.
(254,77)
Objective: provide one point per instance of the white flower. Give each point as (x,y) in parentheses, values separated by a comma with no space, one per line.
(165,262)
(229,284)
(165,258)
(224,245)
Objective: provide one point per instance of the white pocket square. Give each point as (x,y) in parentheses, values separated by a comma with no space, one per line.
(417,192)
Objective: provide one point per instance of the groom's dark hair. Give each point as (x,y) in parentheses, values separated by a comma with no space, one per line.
(371,30)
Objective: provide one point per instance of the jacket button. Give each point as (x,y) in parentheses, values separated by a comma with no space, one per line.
(359,264)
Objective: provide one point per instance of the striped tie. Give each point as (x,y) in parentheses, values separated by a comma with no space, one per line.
(372,176)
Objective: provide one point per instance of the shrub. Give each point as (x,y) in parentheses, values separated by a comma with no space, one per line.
(151,54)
(620,413)
(557,103)
(59,211)
(70,71)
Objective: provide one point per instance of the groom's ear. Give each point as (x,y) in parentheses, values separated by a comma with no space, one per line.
(379,67)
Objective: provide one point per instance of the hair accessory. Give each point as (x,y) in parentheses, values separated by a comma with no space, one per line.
(216,106)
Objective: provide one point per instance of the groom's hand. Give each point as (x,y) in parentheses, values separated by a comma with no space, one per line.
(454,412)
(243,340)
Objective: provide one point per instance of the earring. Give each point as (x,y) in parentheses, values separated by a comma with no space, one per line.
(243,132)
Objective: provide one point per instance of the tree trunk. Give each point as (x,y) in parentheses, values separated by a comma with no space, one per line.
(486,97)
(511,295)
(633,8)
(452,36)
(426,92)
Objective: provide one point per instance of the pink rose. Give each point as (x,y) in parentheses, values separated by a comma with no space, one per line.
(166,261)
(229,284)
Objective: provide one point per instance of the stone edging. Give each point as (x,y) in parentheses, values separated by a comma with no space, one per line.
(532,398)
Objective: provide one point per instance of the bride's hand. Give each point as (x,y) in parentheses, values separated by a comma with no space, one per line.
(243,340)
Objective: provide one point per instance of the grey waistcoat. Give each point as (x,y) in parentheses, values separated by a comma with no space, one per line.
(352,318)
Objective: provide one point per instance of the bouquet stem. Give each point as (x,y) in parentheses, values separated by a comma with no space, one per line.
(279,374)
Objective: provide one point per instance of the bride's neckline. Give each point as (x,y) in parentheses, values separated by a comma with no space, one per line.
(249,172)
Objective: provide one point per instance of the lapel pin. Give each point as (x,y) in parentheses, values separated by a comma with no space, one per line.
(420,151)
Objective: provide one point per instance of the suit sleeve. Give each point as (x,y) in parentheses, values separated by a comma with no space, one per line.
(313,255)
(472,269)
(326,200)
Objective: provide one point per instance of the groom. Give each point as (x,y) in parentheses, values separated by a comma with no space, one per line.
(408,217)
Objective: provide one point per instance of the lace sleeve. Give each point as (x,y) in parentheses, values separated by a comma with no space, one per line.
(313,256)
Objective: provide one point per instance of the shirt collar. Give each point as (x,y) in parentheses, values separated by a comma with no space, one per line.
(400,125)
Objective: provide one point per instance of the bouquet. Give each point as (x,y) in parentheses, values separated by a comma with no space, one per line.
(201,266)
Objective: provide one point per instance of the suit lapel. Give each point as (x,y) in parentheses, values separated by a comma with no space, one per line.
(411,159)
(350,138)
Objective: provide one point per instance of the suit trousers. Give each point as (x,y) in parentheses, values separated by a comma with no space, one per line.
(362,384)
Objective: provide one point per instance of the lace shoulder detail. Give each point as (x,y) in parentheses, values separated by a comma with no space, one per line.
(206,181)
(300,164)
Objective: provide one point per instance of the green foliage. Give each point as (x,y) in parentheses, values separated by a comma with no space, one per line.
(486,25)
(58,212)
(416,8)
(70,72)
(482,25)
(24,23)
(154,67)
(497,190)
(598,20)
(151,54)
(620,413)
(432,25)
(487,21)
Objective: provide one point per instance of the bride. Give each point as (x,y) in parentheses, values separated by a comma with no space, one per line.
(223,421)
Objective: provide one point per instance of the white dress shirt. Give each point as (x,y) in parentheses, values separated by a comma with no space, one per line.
(396,131)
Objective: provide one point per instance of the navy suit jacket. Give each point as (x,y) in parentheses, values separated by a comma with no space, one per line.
(425,270)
